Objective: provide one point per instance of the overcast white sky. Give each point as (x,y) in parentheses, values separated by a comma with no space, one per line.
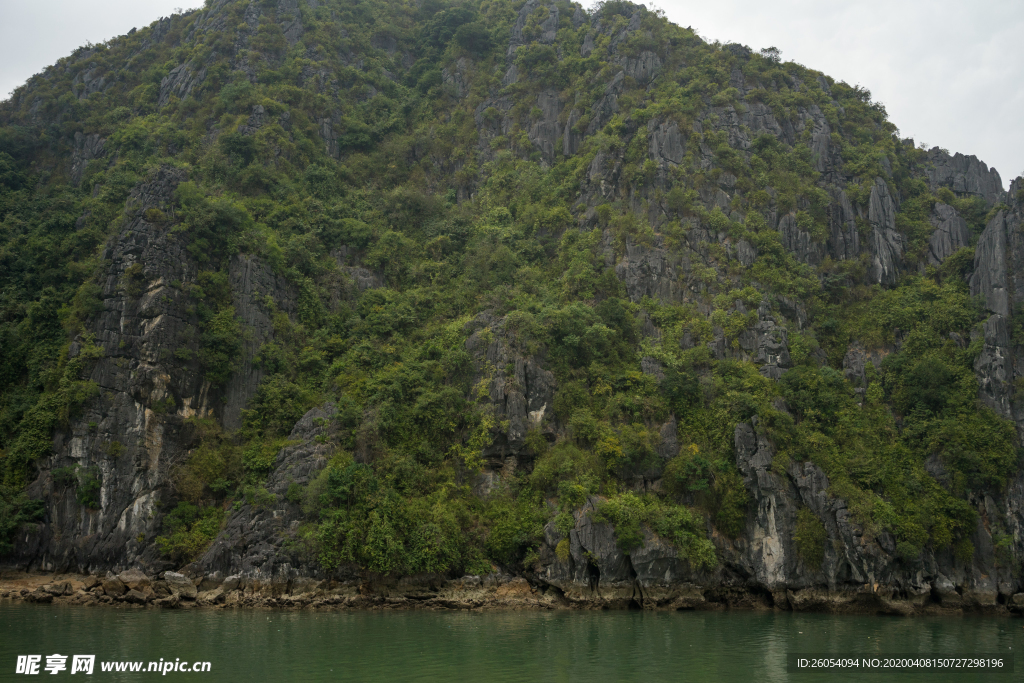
(949,72)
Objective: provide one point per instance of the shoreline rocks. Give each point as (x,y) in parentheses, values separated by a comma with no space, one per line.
(493,592)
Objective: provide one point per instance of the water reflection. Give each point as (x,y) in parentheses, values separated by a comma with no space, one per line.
(495,647)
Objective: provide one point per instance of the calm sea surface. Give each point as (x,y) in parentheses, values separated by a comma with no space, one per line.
(589,647)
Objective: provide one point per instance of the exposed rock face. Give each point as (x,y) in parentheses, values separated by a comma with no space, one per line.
(844,240)
(859,572)
(649,271)
(855,364)
(596,571)
(965,175)
(89,81)
(457,77)
(547,28)
(133,434)
(290,19)
(252,282)
(257,120)
(768,344)
(571,137)
(997,279)
(608,105)
(180,82)
(87,148)
(886,242)
(799,242)
(642,68)
(134,329)
(544,132)
(666,143)
(951,234)
(330,139)
(521,391)
(990,256)
(258,539)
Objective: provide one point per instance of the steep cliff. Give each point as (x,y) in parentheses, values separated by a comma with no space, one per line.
(305,292)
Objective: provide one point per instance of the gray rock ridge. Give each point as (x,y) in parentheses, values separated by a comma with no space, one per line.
(989,279)
(133,434)
(860,572)
(128,444)
(258,539)
(999,281)
(886,243)
(800,243)
(965,175)
(951,234)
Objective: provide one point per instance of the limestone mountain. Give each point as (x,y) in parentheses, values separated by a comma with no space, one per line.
(346,291)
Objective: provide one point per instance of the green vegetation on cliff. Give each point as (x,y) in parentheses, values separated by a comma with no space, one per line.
(404,143)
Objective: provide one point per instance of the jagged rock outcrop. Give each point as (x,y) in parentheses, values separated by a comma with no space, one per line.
(886,242)
(989,279)
(767,343)
(951,234)
(180,82)
(965,175)
(134,433)
(137,431)
(799,242)
(258,539)
(520,390)
(667,144)
(122,438)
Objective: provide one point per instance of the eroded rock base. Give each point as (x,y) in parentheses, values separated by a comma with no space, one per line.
(133,589)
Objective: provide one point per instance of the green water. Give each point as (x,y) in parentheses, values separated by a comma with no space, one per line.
(257,646)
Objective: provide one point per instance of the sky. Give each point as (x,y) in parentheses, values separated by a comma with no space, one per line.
(949,72)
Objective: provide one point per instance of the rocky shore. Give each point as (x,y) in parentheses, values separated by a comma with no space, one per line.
(172,590)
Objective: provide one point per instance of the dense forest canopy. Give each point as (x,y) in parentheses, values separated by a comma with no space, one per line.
(471,209)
